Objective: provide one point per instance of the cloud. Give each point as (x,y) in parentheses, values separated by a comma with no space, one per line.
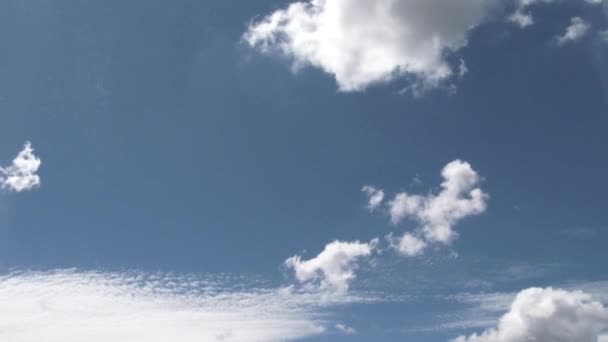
(345,329)
(362,43)
(578,29)
(74,306)
(374,197)
(547,315)
(459,197)
(408,244)
(334,268)
(522,17)
(604,36)
(21,174)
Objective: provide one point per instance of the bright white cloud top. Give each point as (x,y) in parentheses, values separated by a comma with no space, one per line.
(69,306)
(362,43)
(548,315)
(21,174)
(578,29)
(334,268)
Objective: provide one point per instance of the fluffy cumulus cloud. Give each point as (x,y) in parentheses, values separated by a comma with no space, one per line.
(548,315)
(333,268)
(362,43)
(70,306)
(21,174)
(577,29)
(460,196)
(374,197)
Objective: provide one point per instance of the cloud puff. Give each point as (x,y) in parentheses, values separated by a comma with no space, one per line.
(578,29)
(70,306)
(345,329)
(21,174)
(334,267)
(460,196)
(548,315)
(374,197)
(362,43)
(522,17)
(408,244)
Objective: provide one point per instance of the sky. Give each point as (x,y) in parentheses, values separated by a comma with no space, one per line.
(315,170)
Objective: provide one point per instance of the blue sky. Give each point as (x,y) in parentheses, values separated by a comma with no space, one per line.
(200,165)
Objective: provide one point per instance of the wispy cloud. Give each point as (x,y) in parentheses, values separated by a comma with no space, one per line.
(65,306)
(577,29)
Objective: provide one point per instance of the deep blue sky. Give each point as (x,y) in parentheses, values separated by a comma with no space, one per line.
(167,144)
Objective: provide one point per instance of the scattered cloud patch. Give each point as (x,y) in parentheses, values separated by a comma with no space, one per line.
(578,29)
(333,268)
(547,314)
(362,43)
(408,244)
(460,197)
(21,175)
(374,197)
(66,306)
(345,329)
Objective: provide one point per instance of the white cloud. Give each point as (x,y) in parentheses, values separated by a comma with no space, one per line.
(362,43)
(408,244)
(334,268)
(604,36)
(71,306)
(578,29)
(548,315)
(21,174)
(459,197)
(522,16)
(374,197)
(345,329)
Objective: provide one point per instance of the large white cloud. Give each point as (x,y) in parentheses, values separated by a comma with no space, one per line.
(365,42)
(70,306)
(333,268)
(577,29)
(548,315)
(21,174)
(460,196)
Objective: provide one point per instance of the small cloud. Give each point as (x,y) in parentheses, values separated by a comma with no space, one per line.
(577,30)
(333,268)
(21,174)
(460,197)
(374,197)
(345,329)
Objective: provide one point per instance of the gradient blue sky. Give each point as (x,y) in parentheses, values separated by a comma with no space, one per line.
(170,145)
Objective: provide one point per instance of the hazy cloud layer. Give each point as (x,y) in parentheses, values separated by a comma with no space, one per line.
(66,306)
